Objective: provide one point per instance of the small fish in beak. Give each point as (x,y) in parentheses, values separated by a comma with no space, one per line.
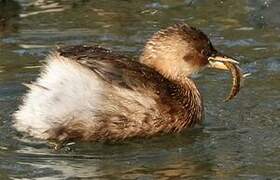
(229,64)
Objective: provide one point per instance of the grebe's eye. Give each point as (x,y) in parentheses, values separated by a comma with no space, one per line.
(206,52)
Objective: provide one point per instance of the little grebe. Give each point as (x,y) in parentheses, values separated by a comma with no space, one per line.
(92,94)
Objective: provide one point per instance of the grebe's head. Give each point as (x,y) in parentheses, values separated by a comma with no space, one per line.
(181,50)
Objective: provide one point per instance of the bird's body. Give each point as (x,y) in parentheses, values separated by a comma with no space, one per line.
(92,94)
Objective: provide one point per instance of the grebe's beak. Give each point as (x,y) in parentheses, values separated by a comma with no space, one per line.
(218,62)
(226,63)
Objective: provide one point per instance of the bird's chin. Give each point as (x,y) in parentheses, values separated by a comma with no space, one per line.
(196,73)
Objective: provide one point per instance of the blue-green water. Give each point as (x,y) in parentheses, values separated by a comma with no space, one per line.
(238,140)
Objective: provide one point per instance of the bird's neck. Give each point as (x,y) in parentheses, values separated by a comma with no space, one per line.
(183,105)
(193,102)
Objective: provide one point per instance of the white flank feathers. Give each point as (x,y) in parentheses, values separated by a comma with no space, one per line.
(63,91)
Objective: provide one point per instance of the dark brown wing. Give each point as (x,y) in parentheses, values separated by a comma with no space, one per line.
(89,53)
(114,68)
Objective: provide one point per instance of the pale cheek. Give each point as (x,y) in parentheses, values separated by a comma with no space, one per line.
(188,69)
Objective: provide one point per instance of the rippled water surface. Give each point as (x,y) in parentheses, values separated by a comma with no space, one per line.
(238,140)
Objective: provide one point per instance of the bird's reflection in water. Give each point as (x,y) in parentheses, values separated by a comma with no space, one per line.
(137,158)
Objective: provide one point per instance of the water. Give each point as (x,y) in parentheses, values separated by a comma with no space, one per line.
(238,140)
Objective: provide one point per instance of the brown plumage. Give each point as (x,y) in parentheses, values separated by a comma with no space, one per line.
(142,98)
